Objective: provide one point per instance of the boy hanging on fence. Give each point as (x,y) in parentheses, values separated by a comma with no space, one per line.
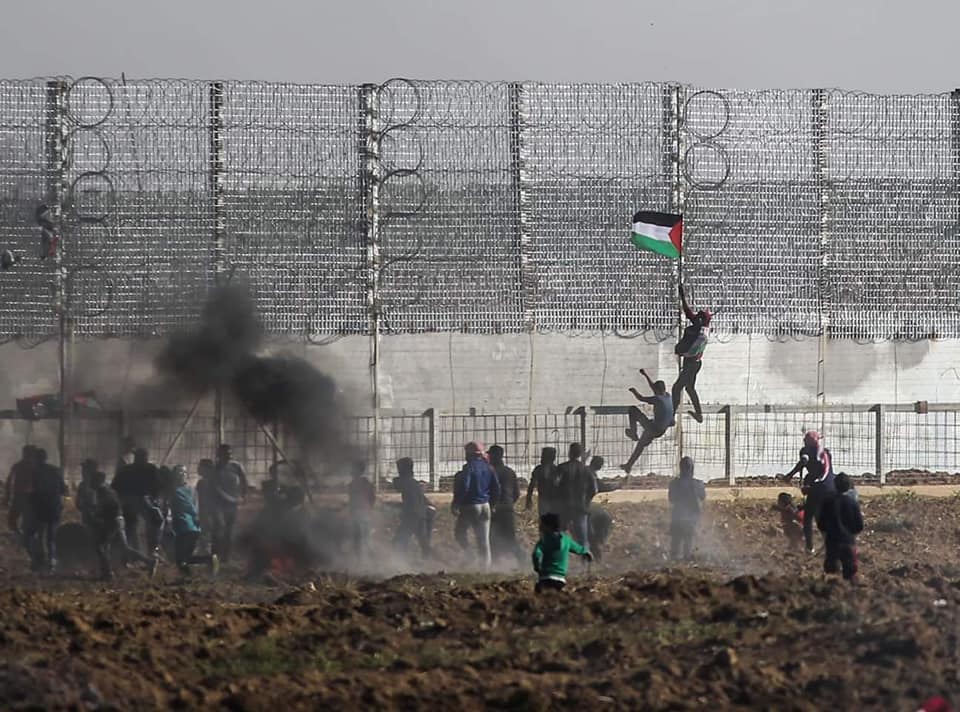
(690,349)
(663,418)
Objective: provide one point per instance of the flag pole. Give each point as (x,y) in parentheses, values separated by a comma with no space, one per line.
(677,200)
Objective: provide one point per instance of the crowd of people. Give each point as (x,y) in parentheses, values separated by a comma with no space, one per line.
(144,504)
(133,511)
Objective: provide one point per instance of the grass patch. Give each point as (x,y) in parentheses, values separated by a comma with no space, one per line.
(265,657)
(900,497)
(892,525)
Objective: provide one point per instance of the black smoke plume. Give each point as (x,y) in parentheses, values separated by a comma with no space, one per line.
(221,352)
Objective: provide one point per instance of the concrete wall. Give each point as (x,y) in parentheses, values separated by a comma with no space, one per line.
(521,373)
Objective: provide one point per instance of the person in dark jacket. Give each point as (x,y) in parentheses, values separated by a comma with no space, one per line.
(138,487)
(416,512)
(653,428)
(19,484)
(551,554)
(362,498)
(545,481)
(690,350)
(686,495)
(86,499)
(580,487)
(503,528)
(840,520)
(475,487)
(185,524)
(102,514)
(46,504)
(817,485)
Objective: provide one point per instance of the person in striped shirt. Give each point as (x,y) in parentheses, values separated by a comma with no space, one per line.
(690,350)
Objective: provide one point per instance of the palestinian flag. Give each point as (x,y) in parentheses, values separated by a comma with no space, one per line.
(658,232)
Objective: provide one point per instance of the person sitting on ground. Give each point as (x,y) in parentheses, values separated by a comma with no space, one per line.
(551,555)
(663,419)
(416,511)
(686,495)
(840,520)
(185,524)
(545,481)
(791,519)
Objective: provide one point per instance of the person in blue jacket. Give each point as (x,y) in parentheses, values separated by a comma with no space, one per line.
(186,528)
(475,487)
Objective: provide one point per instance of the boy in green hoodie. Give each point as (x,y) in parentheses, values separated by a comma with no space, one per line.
(552,553)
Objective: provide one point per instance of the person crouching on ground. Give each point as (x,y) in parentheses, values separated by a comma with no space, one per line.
(840,520)
(551,555)
(687,495)
(186,527)
(791,519)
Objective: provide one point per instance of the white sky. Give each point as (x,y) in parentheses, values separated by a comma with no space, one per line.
(875,45)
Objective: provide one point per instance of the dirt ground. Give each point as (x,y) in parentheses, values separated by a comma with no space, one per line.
(748,624)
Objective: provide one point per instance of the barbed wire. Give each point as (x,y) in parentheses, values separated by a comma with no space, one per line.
(774,207)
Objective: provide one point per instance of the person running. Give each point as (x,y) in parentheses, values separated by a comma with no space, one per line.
(545,481)
(103,515)
(362,499)
(186,526)
(690,350)
(475,487)
(138,485)
(653,428)
(19,485)
(817,485)
(503,527)
(686,495)
(551,555)
(840,520)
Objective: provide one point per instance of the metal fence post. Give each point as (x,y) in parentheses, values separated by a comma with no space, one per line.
(215,180)
(55,138)
(818,100)
(729,445)
(581,412)
(672,156)
(433,445)
(370,186)
(878,443)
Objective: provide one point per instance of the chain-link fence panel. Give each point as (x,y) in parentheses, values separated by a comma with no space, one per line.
(293,204)
(26,290)
(449,216)
(138,221)
(893,243)
(751,214)
(591,156)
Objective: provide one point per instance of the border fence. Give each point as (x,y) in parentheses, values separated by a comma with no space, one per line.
(484,207)
(732,443)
